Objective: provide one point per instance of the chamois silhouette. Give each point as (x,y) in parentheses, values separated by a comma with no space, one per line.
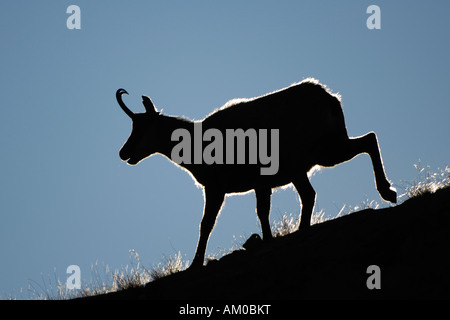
(312,132)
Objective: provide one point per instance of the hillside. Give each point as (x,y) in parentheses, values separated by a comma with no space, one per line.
(409,243)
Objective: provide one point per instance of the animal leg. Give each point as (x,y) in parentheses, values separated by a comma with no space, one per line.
(349,148)
(383,185)
(213,203)
(263,210)
(307,198)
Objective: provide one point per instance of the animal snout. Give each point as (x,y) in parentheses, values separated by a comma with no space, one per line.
(124,155)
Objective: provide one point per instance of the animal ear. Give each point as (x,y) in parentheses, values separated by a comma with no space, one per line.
(148,104)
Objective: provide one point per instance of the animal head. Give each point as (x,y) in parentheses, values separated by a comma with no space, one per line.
(143,140)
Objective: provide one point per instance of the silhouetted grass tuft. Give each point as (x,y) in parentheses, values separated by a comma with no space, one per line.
(136,275)
(170,265)
(428,181)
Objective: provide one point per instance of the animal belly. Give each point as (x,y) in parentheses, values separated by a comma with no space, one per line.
(242,178)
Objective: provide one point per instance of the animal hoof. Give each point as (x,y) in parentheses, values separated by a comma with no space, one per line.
(390,195)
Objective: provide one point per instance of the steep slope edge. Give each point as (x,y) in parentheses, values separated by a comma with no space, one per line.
(409,243)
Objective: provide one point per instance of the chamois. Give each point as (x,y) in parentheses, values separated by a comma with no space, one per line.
(312,131)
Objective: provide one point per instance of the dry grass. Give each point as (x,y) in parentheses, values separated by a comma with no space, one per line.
(103,280)
(170,265)
(428,181)
(136,275)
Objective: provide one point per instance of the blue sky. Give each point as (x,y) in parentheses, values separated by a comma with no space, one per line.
(67,198)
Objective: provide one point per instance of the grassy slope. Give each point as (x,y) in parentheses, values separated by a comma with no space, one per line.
(410,243)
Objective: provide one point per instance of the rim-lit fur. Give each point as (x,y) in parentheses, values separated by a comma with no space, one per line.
(312,132)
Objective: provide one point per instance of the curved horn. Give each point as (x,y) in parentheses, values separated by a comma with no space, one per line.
(119,94)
